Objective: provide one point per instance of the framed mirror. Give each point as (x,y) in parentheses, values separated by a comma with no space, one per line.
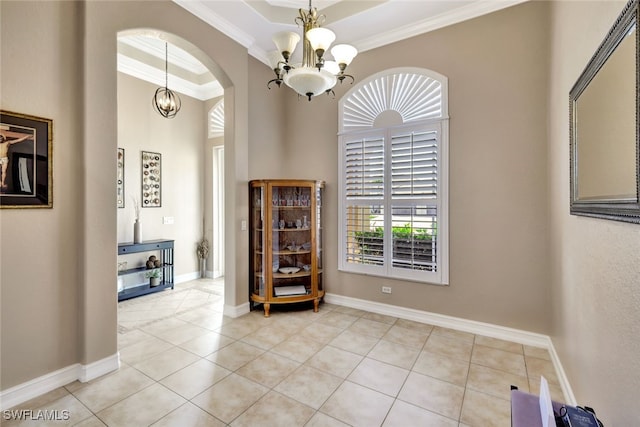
(603,108)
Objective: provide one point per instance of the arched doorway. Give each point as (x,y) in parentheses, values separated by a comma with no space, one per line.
(185,214)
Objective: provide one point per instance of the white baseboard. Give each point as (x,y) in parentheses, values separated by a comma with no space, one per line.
(569,397)
(196,275)
(186,277)
(99,368)
(236,311)
(487,329)
(48,382)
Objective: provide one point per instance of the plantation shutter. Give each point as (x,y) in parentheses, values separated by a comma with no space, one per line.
(364,167)
(414,165)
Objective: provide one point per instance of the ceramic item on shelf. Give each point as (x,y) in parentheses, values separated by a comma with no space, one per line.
(289,270)
(293,247)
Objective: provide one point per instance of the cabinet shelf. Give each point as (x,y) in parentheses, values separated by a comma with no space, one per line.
(136,291)
(286,202)
(286,252)
(141,270)
(278,275)
(165,250)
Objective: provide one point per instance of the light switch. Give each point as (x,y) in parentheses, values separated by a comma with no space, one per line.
(167,220)
(243,225)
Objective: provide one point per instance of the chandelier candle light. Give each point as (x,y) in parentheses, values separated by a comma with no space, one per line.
(165,101)
(315,75)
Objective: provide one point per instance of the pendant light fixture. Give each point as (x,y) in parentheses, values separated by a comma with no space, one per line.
(165,101)
(316,74)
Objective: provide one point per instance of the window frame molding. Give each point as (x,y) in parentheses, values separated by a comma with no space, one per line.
(441,276)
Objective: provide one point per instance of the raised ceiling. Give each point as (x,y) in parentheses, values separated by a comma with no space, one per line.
(365,24)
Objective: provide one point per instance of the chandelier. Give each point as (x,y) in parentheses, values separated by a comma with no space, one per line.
(165,101)
(315,75)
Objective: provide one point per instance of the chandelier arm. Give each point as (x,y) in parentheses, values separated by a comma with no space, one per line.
(277,81)
(341,77)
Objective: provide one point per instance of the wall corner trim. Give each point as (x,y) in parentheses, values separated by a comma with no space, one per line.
(487,329)
(48,382)
(236,311)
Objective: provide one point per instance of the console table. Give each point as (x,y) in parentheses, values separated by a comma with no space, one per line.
(165,249)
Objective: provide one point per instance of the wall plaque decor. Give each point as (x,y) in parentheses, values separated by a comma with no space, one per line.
(120,183)
(26,157)
(151,179)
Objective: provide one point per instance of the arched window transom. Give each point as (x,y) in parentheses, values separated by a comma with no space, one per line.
(411,94)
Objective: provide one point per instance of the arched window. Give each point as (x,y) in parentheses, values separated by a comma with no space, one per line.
(393,176)
(216,120)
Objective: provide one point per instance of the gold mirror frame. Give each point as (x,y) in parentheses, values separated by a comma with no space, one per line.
(620,205)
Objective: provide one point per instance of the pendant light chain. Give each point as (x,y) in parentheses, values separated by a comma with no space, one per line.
(166,64)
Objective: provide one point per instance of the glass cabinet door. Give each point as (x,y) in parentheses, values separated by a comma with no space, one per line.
(318,237)
(291,241)
(257,241)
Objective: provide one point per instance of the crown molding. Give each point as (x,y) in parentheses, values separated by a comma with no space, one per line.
(470,11)
(155,76)
(464,13)
(227,28)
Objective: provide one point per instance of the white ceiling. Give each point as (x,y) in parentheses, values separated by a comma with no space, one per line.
(365,24)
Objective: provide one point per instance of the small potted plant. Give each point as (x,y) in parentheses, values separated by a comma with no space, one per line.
(154,276)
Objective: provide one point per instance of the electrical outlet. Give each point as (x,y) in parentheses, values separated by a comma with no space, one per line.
(167,220)
(386,289)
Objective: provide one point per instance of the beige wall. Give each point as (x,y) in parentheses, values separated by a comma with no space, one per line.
(40,248)
(181,141)
(59,304)
(595,271)
(497,68)
(267,118)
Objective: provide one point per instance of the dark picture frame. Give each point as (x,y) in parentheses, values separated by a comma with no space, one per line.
(120,179)
(26,161)
(151,179)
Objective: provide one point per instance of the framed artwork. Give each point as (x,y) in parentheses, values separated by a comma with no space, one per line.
(151,179)
(120,182)
(26,161)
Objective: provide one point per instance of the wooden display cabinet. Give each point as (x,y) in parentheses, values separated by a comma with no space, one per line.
(285,243)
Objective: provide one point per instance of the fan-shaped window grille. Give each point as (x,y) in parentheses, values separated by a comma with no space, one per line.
(216,120)
(393,176)
(412,94)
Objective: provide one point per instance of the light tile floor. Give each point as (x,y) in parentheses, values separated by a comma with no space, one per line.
(185,364)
